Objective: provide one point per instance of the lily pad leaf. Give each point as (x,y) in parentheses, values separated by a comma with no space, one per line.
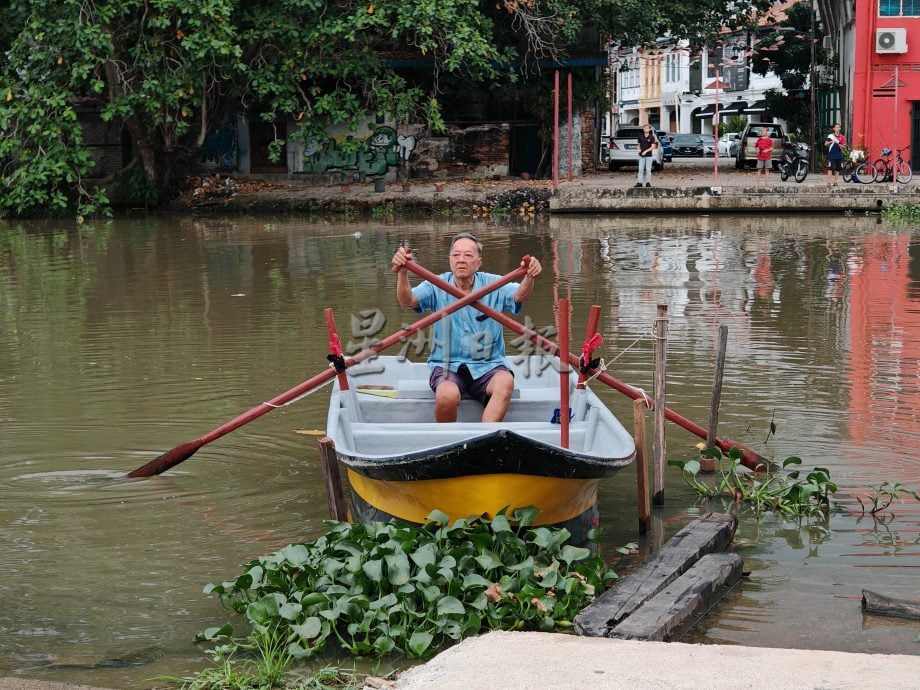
(450,605)
(419,642)
(309,629)
(397,568)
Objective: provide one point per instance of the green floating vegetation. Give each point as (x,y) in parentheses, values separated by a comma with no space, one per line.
(389,587)
(902,213)
(784,492)
(883,495)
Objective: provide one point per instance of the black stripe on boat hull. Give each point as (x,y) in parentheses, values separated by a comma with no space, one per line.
(501,452)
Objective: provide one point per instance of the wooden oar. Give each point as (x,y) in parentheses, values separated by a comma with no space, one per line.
(749,458)
(185,450)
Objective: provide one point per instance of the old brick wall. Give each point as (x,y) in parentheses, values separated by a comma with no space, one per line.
(106,143)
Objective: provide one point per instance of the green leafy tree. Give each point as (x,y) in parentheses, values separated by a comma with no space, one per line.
(172,70)
(786,50)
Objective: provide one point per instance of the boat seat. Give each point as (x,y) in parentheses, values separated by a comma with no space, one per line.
(418,389)
(383,439)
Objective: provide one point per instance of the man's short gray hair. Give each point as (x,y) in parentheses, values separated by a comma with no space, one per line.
(466,236)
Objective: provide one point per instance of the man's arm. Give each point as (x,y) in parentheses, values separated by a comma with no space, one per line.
(525,289)
(403,289)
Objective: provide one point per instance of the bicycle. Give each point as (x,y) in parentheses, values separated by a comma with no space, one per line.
(865,173)
(848,170)
(885,168)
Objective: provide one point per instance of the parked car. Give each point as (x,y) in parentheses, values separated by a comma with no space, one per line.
(687,145)
(624,149)
(726,141)
(709,144)
(667,152)
(747,150)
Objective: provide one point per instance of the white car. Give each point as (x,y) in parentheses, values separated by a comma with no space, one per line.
(624,149)
(726,141)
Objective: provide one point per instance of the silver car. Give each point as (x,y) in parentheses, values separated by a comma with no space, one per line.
(624,149)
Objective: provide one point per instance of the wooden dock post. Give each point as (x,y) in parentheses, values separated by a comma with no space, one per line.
(709,464)
(338,508)
(661,366)
(641,465)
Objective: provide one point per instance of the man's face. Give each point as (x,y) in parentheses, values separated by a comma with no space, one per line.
(646,129)
(464,258)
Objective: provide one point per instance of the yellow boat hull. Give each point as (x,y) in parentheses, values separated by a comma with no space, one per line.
(559,499)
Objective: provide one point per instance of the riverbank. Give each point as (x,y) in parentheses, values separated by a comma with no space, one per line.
(694,187)
(522,661)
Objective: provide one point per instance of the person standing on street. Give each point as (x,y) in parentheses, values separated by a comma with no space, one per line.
(835,142)
(648,142)
(764,145)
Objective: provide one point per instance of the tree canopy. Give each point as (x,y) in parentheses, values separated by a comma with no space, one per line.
(171,70)
(786,49)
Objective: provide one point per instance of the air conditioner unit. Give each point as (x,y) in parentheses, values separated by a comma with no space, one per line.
(890,41)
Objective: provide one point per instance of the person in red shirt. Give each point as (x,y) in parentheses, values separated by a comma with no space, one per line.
(764,146)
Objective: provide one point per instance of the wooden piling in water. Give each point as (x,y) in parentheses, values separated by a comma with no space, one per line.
(641,465)
(338,508)
(661,365)
(709,464)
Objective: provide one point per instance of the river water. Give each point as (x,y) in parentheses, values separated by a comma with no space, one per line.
(120,340)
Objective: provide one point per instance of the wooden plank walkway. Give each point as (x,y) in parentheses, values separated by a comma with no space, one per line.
(665,595)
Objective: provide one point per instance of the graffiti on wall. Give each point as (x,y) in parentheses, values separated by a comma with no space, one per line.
(372,156)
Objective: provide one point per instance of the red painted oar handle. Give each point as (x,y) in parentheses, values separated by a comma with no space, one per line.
(525,262)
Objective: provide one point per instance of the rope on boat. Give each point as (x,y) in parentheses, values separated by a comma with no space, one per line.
(304,395)
(602,367)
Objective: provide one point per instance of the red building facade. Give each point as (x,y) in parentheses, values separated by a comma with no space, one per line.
(886,79)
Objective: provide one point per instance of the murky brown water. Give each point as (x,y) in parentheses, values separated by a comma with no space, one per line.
(118,341)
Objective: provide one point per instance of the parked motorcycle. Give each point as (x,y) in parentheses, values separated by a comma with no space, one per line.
(794,162)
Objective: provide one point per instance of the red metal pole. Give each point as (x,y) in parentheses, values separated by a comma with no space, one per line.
(569,124)
(563,327)
(715,127)
(750,459)
(556,132)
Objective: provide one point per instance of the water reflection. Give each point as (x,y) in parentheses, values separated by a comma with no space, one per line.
(119,341)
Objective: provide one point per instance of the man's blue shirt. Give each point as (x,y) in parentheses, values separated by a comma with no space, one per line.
(478,344)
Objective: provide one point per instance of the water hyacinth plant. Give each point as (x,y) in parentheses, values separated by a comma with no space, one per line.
(393,588)
(784,492)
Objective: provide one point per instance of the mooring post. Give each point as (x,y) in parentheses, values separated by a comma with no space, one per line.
(661,365)
(641,465)
(338,508)
(709,464)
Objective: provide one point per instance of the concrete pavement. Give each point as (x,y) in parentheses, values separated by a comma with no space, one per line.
(547,661)
(525,661)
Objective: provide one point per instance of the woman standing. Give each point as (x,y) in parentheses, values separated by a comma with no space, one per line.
(835,142)
(648,142)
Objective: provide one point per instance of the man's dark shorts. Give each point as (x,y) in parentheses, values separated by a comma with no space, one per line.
(835,164)
(470,387)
